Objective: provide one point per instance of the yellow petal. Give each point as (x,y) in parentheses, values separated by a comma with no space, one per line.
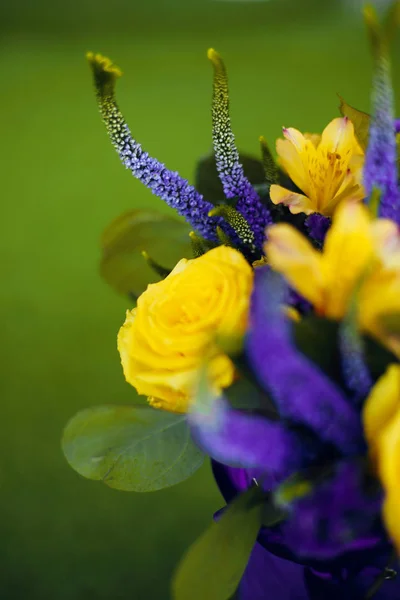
(297,203)
(290,253)
(387,242)
(382,404)
(314,138)
(391,516)
(389,469)
(338,136)
(348,252)
(293,156)
(380,296)
(124,343)
(334,152)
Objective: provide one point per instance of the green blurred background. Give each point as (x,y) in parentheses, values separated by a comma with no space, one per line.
(63,537)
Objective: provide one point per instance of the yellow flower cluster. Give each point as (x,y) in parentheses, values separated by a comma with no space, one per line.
(173,329)
(327,168)
(361,259)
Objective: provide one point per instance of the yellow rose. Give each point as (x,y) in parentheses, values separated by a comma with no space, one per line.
(172,330)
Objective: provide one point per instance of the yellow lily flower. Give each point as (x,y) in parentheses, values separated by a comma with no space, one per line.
(327,168)
(360,256)
(381,418)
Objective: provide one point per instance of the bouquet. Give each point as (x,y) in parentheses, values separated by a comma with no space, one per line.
(265,334)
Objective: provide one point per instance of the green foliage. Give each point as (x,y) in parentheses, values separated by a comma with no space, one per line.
(131,448)
(164,238)
(377,357)
(390,323)
(317,338)
(213,566)
(272,514)
(270,167)
(360,120)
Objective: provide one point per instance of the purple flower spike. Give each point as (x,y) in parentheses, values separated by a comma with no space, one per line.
(397,125)
(167,185)
(242,440)
(380,170)
(337,516)
(231,173)
(301,392)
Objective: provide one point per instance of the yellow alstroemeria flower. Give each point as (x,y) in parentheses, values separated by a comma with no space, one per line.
(381,418)
(167,337)
(360,256)
(326,168)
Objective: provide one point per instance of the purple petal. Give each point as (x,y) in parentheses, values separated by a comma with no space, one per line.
(268,576)
(301,391)
(338,515)
(238,439)
(347,584)
(363,554)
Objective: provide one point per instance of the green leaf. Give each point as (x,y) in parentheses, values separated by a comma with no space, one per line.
(272,514)
(360,120)
(164,238)
(243,394)
(377,357)
(213,566)
(317,338)
(131,448)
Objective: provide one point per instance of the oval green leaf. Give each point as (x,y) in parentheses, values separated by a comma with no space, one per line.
(131,448)
(164,238)
(213,566)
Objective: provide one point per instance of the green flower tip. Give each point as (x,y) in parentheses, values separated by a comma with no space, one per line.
(105,73)
(215,58)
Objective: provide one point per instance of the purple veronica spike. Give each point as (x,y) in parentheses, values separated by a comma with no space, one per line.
(165,184)
(338,515)
(302,393)
(242,440)
(397,125)
(234,181)
(380,170)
